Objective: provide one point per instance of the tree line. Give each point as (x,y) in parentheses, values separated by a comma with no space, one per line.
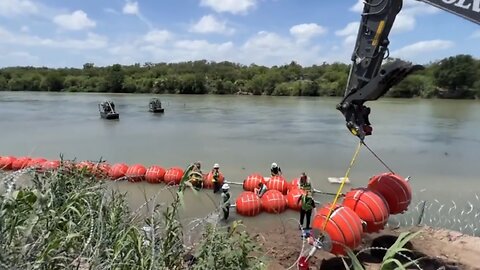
(453,77)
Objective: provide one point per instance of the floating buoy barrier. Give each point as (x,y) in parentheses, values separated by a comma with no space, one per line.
(395,190)
(369,206)
(292,199)
(173,176)
(344,227)
(118,170)
(155,174)
(6,162)
(248,204)
(136,173)
(36,162)
(85,165)
(20,163)
(101,169)
(251,182)
(208,180)
(51,165)
(294,184)
(273,201)
(279,183)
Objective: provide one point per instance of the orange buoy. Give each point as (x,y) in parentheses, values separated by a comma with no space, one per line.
(20,163)
(118,170)
(36,162)
(395,190)
(6,162)
(155,174)
(248,204)
(101,169)
(85,165)
(273,201)
(279,183)
(292,198)
(208,180)
(173,176)
(136,173)
(251,182)
(51,165)
(369,206)
(294,184)
(344,227)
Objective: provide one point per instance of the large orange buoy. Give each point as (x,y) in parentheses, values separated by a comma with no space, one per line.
(6,162)
(20,163)
(279,183)
(292,198)
(136,173)
(173,176)
(273,201)
(294,184)
(51,165)
(369,206)
(251,182)
(86,166)
(344,227)
(395,189)
(101,169)
(118,170)
(155,174)
(248,204)
(208,180)
(36,162)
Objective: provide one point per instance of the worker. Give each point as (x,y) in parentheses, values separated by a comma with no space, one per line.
(275,169)
(261,189)
(225,201)
(304,182)
(195,176)
(308,204)
(216,178)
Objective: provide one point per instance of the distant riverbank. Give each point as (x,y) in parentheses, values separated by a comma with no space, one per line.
(454,77)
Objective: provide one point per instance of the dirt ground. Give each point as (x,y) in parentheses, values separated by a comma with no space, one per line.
(438,249)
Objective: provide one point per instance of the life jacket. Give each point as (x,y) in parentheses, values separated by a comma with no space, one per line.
(307,203)
(216,176)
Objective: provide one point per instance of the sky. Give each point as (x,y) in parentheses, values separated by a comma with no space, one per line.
(69,33)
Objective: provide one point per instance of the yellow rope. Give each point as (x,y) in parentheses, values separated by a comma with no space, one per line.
(342,184)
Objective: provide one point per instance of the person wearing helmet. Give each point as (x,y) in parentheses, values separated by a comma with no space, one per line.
(304,182)
(275,169)
(195,176)
(216,178)
(225,201)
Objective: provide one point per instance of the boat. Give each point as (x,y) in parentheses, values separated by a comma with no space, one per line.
(155,106)
(107,110)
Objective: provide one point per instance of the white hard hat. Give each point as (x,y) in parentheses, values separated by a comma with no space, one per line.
(216,166)
(274,165)
(225,186)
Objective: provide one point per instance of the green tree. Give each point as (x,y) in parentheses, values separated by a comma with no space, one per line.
(457,74)
(115,78)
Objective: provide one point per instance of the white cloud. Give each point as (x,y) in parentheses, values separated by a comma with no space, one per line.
(403,22)
(158,36)
(232,6)
(422,47)
(475,34)
(210,24)
(306,31)
(24,28)
(131,8)
(91,42)
(349,34)
(77,20)
(10,8)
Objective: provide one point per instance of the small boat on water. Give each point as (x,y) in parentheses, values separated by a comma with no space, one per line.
(155,106)
(107,110)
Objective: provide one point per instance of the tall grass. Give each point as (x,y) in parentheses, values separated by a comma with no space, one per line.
(70,220)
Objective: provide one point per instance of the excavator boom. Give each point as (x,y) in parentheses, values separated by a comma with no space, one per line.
(368,79)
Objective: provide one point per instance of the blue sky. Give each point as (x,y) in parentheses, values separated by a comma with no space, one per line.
(70,33)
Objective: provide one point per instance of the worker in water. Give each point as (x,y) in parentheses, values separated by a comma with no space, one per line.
(304,183)
(225,201)
(216,178)
(275,169)
(261,189)
(308,204)
(195,176)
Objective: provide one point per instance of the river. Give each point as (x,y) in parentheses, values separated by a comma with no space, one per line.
(436,142)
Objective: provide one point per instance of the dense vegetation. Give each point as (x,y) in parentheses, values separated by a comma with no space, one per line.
(452,77)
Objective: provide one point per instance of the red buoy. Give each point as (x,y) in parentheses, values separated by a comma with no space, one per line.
(101,169)
(20,163)
(292,198)
(51,165)
(85,165)
(369,206)
(6,162)
(394,188)
(344,227)
(279,183)
(208,180)
(252,181)
(248,204)
(118,171)
(294,184)
(136,173)
(155,174)
(273,201)
(36,162)
(173,176)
